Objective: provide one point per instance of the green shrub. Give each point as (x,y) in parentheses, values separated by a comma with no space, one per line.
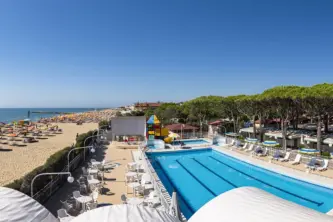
(104,124)
(326,154)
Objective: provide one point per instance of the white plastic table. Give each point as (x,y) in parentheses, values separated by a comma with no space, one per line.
(92,171)
(95,163)
(84,200)
(133,186)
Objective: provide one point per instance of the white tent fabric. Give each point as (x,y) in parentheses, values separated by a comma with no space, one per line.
(254,205)
(328,141)
(125,213)
(16,206)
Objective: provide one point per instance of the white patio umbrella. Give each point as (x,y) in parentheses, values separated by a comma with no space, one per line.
(174,206)
(125,213)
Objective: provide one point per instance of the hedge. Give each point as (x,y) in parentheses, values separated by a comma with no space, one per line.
(55,163)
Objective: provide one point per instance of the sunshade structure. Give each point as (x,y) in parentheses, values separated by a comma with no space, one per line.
(153,120)
(328,141)
(270,143)
(125,213)
(251,140)
(249,204)
(16,206)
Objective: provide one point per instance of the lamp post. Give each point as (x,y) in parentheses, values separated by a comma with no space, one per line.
(78,148)
(70,179)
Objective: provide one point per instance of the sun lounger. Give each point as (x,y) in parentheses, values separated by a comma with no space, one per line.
(297,159)
(250,148)
(257,150)
(263,153)
(324,167)
(244,147)
(311,164)
(276,156)
(285,158)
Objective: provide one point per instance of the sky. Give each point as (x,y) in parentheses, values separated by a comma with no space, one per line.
(78,53)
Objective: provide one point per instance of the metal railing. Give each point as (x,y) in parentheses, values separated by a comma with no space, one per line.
(158,185)
(49,189)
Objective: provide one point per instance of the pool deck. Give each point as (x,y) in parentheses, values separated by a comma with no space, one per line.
(324,179)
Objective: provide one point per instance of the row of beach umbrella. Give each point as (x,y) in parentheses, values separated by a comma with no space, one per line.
(270,143)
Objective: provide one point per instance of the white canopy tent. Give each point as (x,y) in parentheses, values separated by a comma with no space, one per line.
(16,206)
(125,213)
(254,205)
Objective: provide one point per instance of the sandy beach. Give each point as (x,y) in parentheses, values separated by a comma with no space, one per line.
(21,160)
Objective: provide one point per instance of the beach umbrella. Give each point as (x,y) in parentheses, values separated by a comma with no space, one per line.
(251,140)
(125,213)
(174,206)
(270,143)
(12,135)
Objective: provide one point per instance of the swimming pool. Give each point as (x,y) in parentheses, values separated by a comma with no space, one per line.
(190,142)
(200,175)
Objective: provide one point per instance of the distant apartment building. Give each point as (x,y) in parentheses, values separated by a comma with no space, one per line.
(146,105)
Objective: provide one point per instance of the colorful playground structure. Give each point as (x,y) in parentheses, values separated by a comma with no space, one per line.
(155,131)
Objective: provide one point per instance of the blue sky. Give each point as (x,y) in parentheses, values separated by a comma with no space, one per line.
(81,53)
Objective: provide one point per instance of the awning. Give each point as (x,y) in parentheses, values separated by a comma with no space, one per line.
(254,205)
(16,206)
(328,141)
(125,213)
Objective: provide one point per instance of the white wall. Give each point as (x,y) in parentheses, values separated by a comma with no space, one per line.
(128,126)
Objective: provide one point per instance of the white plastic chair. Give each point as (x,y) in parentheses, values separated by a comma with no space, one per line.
(95,195)
(297,159)
(62,213)
(250,148)
(244,147)
(285,158)
(76,194)
(324,167)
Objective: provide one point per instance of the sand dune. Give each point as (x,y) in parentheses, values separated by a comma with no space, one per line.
(21,160)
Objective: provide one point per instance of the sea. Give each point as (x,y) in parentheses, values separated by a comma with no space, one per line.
(13,114)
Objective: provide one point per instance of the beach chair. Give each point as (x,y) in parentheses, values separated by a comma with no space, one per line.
(276,156)
(257,150)
(311,164)
(250,148)
(285,158)
(297,159)
(263,153)
(324,167)
(244,147)
(232,143)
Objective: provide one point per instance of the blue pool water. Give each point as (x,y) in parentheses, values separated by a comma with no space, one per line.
(200,175)
(190,142)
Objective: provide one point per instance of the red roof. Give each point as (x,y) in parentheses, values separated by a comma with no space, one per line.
(180,126)
(217,122)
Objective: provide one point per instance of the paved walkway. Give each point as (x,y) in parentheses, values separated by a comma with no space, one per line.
(115,181)
(282,168)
